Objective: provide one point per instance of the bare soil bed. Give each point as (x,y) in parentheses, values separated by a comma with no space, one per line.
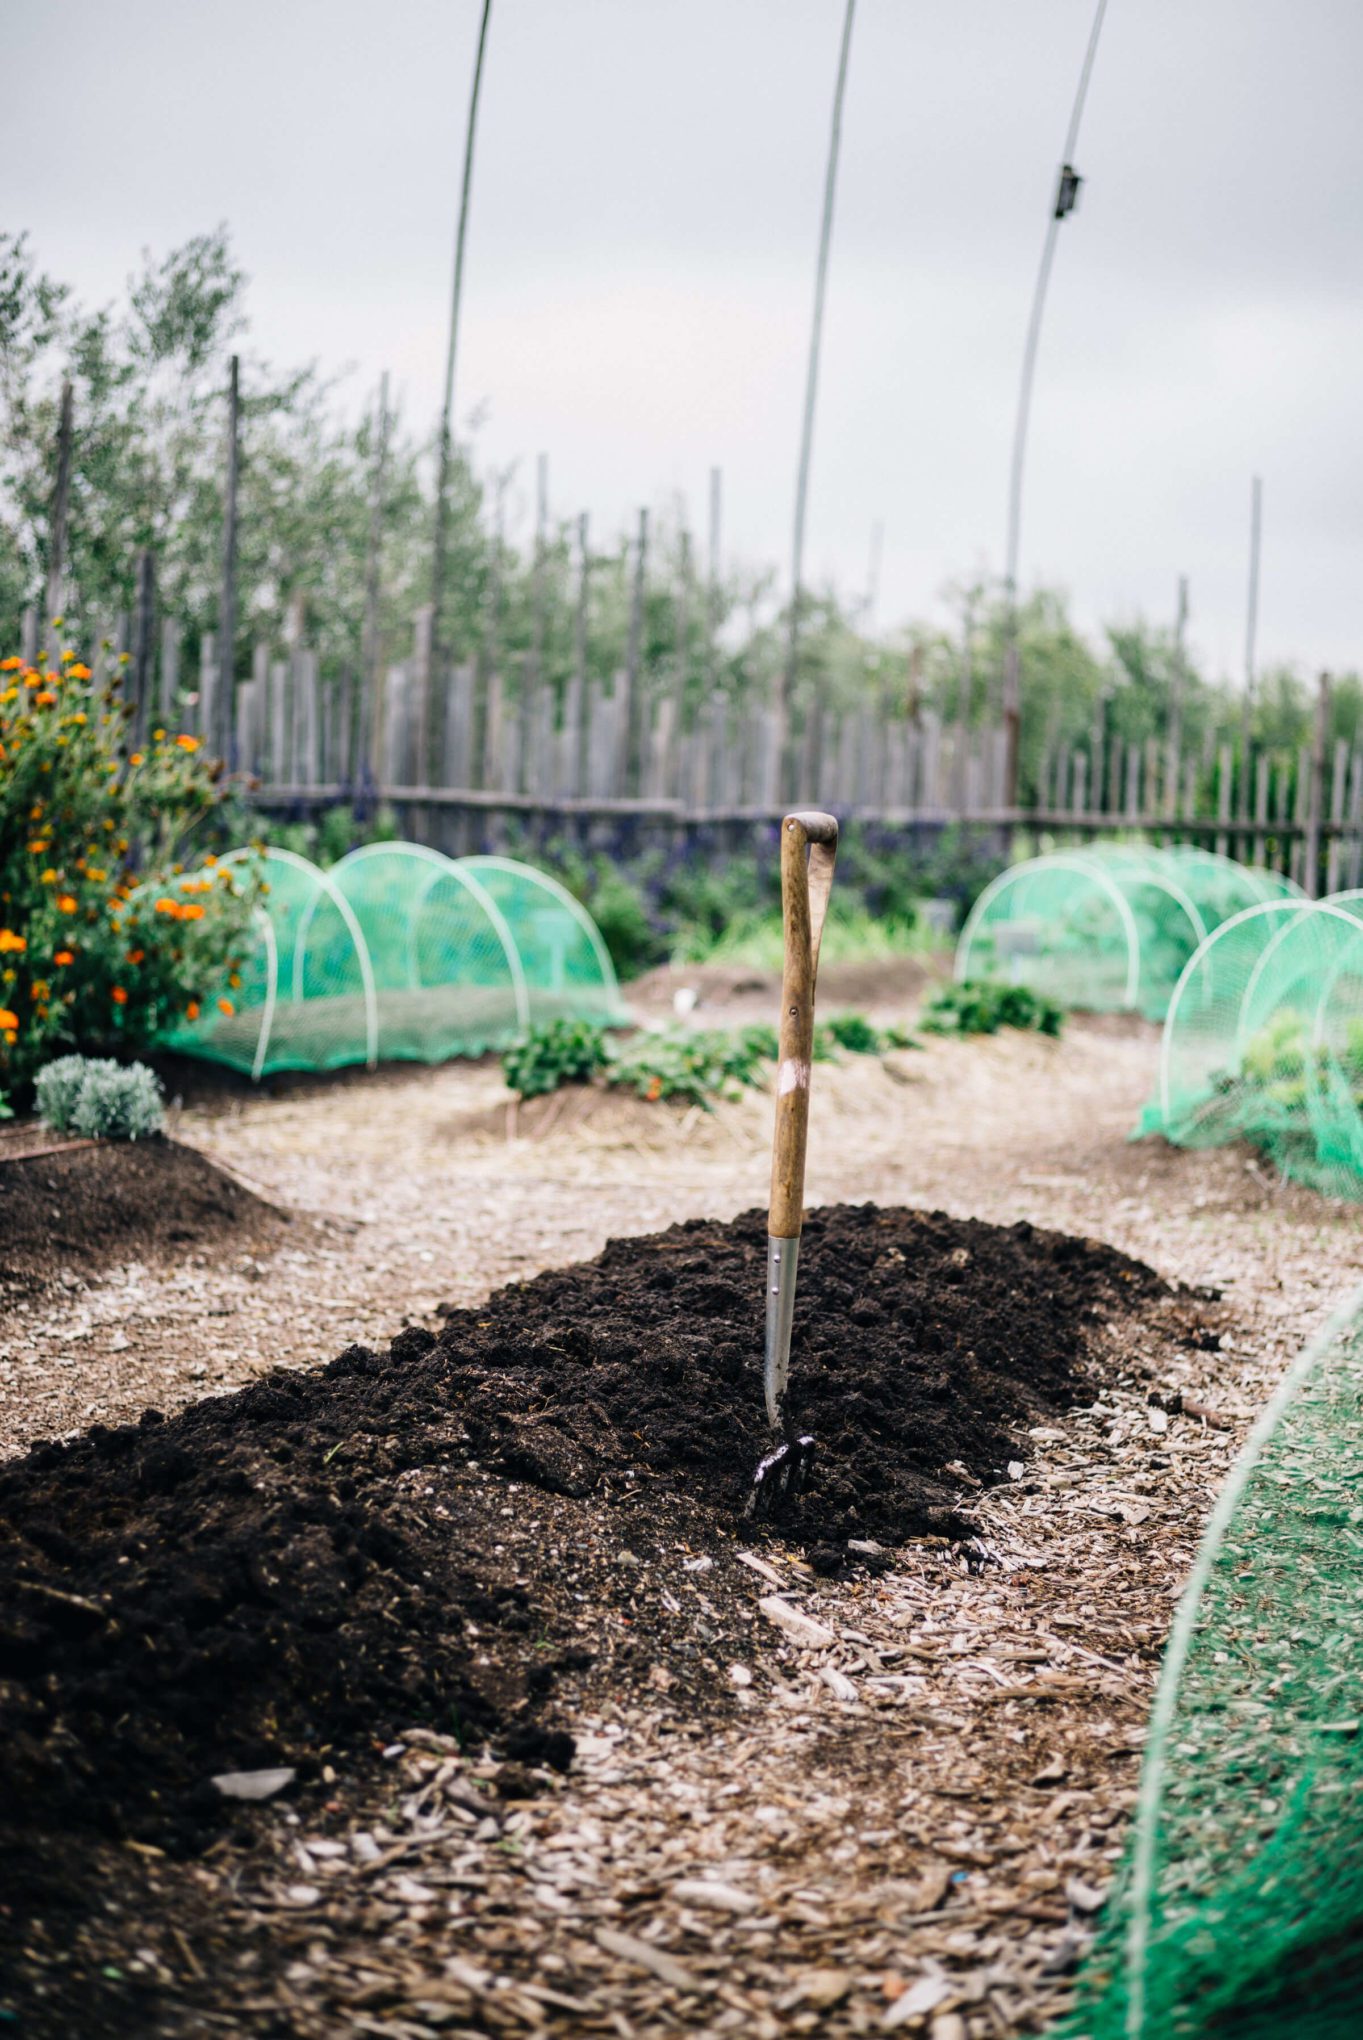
(815,1788)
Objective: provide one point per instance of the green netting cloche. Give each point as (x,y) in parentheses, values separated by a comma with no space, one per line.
(400,953)
(1106,928)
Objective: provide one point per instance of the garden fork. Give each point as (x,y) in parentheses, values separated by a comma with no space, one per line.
(809,847)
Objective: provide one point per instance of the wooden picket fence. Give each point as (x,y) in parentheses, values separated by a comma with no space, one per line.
(457,745)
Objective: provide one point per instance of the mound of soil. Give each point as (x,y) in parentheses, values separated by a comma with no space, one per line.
(288,1575)
(94,1205)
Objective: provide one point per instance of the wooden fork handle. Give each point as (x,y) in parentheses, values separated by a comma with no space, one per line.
(809,848)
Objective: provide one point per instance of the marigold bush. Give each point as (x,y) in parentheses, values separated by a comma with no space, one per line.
(102,943)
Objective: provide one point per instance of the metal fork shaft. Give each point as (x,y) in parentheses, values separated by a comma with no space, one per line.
(783,1258)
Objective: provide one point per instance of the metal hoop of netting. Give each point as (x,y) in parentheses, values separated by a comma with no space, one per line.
(1240,1910)
(568,968)
(330,1017)
(1209,870)
(450,976)
(1151,885)
(1059,923)
(1233,950)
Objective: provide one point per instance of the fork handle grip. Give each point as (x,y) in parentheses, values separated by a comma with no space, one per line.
(809,848)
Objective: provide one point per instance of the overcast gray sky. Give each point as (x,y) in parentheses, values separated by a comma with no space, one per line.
(642,244)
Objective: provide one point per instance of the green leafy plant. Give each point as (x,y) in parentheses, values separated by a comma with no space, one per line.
(98,1099)
(104,942)
(854,1032)
(561,1052)
(985,1005)
(694,1066)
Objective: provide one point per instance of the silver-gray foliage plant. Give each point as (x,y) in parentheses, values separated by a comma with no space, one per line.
(99,1099)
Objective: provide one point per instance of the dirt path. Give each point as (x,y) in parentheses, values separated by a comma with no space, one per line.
(917,1811)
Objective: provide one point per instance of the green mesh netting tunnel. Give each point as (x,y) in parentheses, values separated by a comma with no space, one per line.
(1239,1911)
(1108,928)
(398,953)
(1263,1041)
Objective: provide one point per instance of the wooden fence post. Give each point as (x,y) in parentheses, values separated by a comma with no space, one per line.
(634,703)
(221,733)
(1315,791)
(56,540)
(144,633)
(369,744)
(1175,743)
(1334,853)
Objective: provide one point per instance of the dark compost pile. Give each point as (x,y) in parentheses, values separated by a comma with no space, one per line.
(290,1574)
(81,1209)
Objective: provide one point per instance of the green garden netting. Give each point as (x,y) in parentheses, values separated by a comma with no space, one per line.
(1263,1041)
(400,954)
(1239,1911)
(1107,928)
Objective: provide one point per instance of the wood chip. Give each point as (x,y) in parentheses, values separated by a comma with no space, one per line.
(801,1629)
(656,1961)
(717,1897)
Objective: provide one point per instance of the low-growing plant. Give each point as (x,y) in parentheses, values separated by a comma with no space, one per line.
(985,1005)
(559,1052)
(98,1099)
(695,1066)
(103,942)
(854,1032)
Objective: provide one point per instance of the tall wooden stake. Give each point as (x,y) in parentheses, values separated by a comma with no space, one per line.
(797,552)
(223,735)
(442,489)
(56,549)
(1062,205)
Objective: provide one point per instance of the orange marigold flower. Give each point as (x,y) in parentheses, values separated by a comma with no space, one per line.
(9,1021)
(38,845)
(49,877)
(45,698)
(136,955)
(136,758)
(234,979)
(10,941)
(79,672)
(188,743)
(166,905)
(63,957)
(226,1006)
(119,996)
(66,903)
(68,655)
(10,665)
(191,913)
(192,1010)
